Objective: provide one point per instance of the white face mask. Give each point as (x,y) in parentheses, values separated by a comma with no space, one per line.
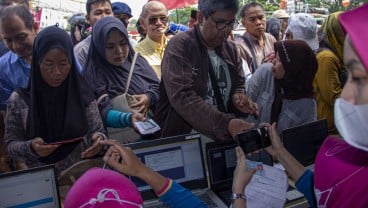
(352,123)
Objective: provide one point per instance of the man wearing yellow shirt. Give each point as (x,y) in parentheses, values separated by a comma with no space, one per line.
(154,19)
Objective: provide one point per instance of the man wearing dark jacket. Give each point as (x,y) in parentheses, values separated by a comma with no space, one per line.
(202,85)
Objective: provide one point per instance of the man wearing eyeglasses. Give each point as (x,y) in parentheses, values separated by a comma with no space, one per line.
(202,85)
(154,20)
(258,44)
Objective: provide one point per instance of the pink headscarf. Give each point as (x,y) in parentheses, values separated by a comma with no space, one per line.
(103,188)
(354,23)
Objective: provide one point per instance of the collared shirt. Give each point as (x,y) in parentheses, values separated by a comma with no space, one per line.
(261,51)
(14,73)
(153,52)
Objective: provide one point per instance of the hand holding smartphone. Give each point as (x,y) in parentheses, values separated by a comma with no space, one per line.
(253,140)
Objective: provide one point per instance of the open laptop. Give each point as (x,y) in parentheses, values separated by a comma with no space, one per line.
(304,141)
(221,163)
(36,187)
(179,158)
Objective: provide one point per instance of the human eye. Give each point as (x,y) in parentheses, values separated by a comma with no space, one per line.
(108,11)
(64,63)
(7,40)
(123,43)
(97,12)
(109,46)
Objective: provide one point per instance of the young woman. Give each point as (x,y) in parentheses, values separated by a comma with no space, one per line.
(283,90)
(53,120)
(341,164)
(109,61)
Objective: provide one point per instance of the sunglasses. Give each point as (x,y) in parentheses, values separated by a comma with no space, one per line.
(153,20)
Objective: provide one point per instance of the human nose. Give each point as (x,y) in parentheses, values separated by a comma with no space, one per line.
(14,45)
(118,49)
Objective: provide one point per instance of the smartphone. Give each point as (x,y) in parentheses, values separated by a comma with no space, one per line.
(253,140)
(66,141)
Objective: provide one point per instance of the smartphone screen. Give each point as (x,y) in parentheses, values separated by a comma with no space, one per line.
(253,140)
(67,141)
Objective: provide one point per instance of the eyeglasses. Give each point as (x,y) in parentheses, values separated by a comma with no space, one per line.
(153,20)
(222,24)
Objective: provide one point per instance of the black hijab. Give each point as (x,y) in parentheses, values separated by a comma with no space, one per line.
(55,113)
(104,77)
(300,65)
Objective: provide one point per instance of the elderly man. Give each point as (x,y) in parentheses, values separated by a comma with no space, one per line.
(202,86)
(154,20)
(256,42)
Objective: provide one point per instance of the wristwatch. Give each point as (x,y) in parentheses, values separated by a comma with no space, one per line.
(238,196)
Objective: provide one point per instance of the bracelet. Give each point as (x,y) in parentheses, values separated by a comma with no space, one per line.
(166,187)
(238,196)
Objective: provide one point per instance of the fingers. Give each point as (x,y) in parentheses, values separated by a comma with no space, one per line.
(95,148)
(240,154)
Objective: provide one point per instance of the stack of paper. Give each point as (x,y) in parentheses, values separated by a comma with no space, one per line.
(267,187)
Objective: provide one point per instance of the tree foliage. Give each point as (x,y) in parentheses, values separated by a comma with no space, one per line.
(182,15)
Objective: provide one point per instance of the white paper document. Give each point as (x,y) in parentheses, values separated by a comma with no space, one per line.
(267,187)
(147,127)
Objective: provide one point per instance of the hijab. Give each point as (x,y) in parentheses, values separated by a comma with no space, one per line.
(104,77)
(300,64)
(55,113)
(333,34)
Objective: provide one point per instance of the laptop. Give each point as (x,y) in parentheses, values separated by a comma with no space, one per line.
(304,141)
(179,158)
(221,163)
(35,187)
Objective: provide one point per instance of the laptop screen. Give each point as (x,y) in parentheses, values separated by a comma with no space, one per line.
(34,187)
(221,160)
(179,158)
(304,141)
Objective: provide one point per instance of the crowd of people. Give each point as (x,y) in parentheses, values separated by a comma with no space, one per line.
(61,94)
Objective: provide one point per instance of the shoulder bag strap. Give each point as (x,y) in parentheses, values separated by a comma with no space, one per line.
(131,72)
(254,58)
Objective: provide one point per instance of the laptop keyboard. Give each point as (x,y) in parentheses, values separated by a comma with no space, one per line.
(226,196)
(205,198)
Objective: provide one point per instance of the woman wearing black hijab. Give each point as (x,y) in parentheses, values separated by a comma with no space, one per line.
(53,120)
(109,61)
(283,89)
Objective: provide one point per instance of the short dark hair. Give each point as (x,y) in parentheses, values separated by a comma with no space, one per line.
(245,8)
(208,7)
(20,11)
(10,2)
(90,2)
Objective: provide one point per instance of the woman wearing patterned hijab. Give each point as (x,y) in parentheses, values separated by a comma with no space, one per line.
(283,89)
(331,73)
(109,61)
(53,120)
